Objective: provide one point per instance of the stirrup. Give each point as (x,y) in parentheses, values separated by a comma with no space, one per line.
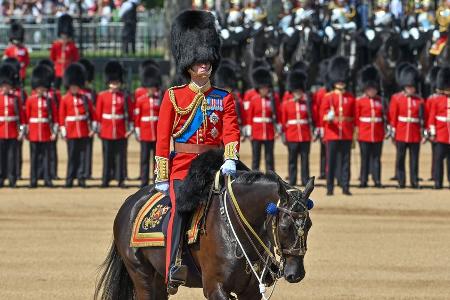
(177,276)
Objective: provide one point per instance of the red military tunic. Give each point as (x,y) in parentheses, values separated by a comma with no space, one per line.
(428,105)
(260,117)
(11,116)
(246,99)
(404,114)
(295,119)
(63,54)
(369,118)
(111,114)
(20,53)
(73,116)
(146,112)
(37,118)
(343,105)
(139,92)
(221,128)
(439,119)
(317,97)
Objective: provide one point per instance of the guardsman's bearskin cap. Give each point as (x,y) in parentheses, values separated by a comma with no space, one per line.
(7,74)
(75,74)
(16,33)
(338,70)
(89,68)
(409,76)
(13,62)
(226,77)
(297,80)
(48,63)
(113,71)
(262,77)
(65,25)
(146,63)
(42,76)
(300,66)
(443,78)
(369,77)
(194,39)
(150,76)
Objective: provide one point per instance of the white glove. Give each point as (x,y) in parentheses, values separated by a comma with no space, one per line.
(247,131)
(330,115)
(162,187)
(22,132)
(63,132)
(279,128)
(228,167)
(137,133)
(95,127)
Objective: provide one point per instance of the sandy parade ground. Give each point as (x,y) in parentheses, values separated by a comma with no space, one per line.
(378,244)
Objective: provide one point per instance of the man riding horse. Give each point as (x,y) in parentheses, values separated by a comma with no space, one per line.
(198,117)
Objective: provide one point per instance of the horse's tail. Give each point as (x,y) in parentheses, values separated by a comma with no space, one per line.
(115,282)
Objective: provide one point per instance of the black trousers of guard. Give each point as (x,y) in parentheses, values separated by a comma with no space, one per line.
(40,161)
(114,152)
(433,158)
(53,159)
(335,150)
(294,151)
(147,154)
(8,160)
(77,154)
(268,154)
(414,149)
(442,151)
(19,159)
(323,159)
(370,161)
(89,154)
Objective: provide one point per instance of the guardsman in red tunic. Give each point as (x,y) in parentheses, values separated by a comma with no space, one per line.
(337,112)
(197,117)
(263,118)
(11,125)
(370,121)
(146,63)
(63,51)
(75,123)
(42,120)
(115,121)
(296,121)
(146,115)
(17,50)
(439,124)
(406,112)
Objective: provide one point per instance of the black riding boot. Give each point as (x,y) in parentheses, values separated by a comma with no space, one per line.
(177,272)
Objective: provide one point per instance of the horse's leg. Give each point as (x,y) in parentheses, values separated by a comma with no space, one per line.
(215,291)
(142,274)
(252,291)
(159,288)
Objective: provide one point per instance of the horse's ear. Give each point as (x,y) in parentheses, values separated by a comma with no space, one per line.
(308,189)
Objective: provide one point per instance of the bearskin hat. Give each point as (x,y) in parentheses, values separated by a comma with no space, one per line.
(65,25)
(443,78)
(7,74)
(89,68)
(409,76)
(151,77)
(42,76)
(322,78)
(338,70)
(194,39)
(297,80)
(261,77)
(398,70)
(15,64)
(369,77)
(226,77)
(113,71)
(75,74)
(146,63)
(300,66)
(16,32)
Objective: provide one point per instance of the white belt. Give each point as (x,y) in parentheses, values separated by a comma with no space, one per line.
(149,119)
(443,119)
(76,118)
(262,120)
(112,117)
(9,119)
(295,122)
(38,120)
(408,119)
(370,120)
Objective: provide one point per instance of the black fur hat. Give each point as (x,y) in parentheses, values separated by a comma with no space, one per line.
(146,63)
(398,70)
(369,77)
(16,33)
(226,77)
(89,68)
(7,74)
(443,78)
(300,66)
(338,70)
(13,62)
(151,77)
(409,76)
(113,71)
(322,78)
(261,77)
(42,76)
(75,74)
(65,25)
(297,80)
(194,39)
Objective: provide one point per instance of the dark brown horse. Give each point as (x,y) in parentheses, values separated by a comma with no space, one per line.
(138,273)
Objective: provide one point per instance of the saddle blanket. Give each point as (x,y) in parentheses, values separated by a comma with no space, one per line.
(150,226)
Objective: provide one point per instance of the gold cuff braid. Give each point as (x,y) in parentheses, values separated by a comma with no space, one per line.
(231,151)
(161,169)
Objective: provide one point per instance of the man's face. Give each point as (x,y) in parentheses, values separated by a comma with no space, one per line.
(5,88)
(371,92)
(41,90)
(264,91)
(114,85)
(410,90)
(74,89)
(201,69)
